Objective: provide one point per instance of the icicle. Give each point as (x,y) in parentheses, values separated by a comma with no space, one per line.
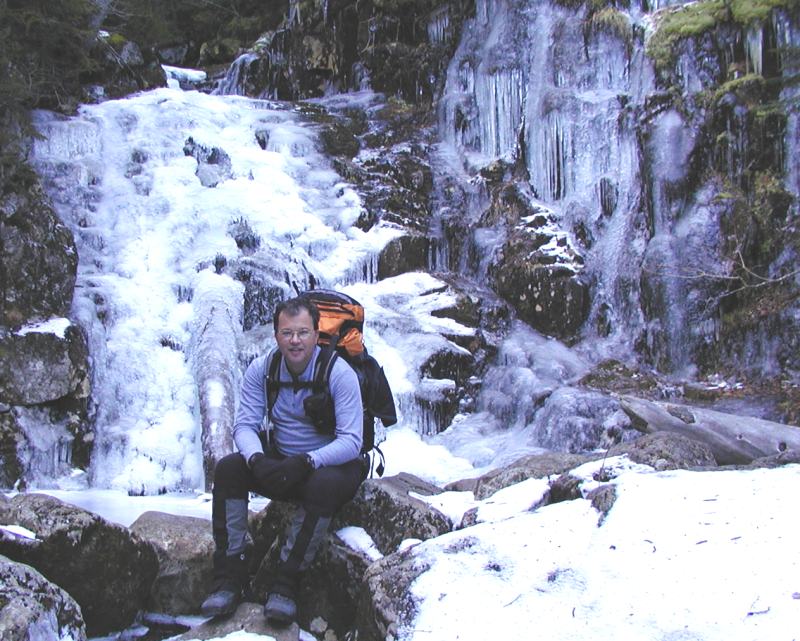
(363,271)
(754,49)
(428,409)
(499,101)
(439,25)
(482,10)
(555,159)
(234,81)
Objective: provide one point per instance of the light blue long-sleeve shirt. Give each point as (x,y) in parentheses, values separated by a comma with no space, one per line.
(293,431)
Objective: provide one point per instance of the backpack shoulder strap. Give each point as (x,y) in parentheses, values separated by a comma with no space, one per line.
(324,364)
(272,383)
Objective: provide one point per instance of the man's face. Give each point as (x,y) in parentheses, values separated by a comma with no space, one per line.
(296,339)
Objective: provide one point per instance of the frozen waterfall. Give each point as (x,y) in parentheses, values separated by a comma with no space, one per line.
(169,193)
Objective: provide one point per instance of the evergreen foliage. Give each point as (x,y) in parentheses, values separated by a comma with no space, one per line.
(154,22)
(43,53)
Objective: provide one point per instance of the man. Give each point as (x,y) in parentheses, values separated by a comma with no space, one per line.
(320,470)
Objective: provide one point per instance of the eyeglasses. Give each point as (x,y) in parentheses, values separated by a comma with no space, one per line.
(288,334)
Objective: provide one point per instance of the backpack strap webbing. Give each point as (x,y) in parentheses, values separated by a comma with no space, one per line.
(324,364)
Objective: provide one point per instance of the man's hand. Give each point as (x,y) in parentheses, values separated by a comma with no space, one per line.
(291,471)
(280,476)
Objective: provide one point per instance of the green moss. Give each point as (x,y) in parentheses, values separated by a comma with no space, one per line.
(695,19)
(116,40)
(749,88)
(614,22)
(684,22)
(770,201)
(746,12)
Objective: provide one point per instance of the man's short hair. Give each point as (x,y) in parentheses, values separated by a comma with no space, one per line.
(293,307)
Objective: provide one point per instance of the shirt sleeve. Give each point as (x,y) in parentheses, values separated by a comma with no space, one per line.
(251,409)
(346,393)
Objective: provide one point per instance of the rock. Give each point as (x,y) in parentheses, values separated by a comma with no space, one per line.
(213,164)
(44,389)
(732,439)
(249,617)
(533,466)
(612,376)
(330,590)
(38,258)
(34,609)
(661,451)
(602,499)
(122,67)
(104,567)
(389,514)
(37,366)
(549,298)
(184,546)
(11,466)
(438,401)
(385,604)
(338,139)
(667,451)
(403,254)
(537,268)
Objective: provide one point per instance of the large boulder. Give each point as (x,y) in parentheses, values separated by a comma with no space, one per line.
(185,546)
(403,254)
(33,609)
(391,513)
(668,451)
(104,567)
(538,271)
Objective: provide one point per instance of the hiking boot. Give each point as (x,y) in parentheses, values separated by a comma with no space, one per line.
(222,602)
(230,580)
(280,610)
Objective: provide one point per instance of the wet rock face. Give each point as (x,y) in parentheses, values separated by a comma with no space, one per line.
(39,260)
(39,367)
(44,390)
(537,269)
(402,47)
(44,375)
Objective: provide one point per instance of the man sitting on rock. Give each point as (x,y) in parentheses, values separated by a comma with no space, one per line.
(320,471)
